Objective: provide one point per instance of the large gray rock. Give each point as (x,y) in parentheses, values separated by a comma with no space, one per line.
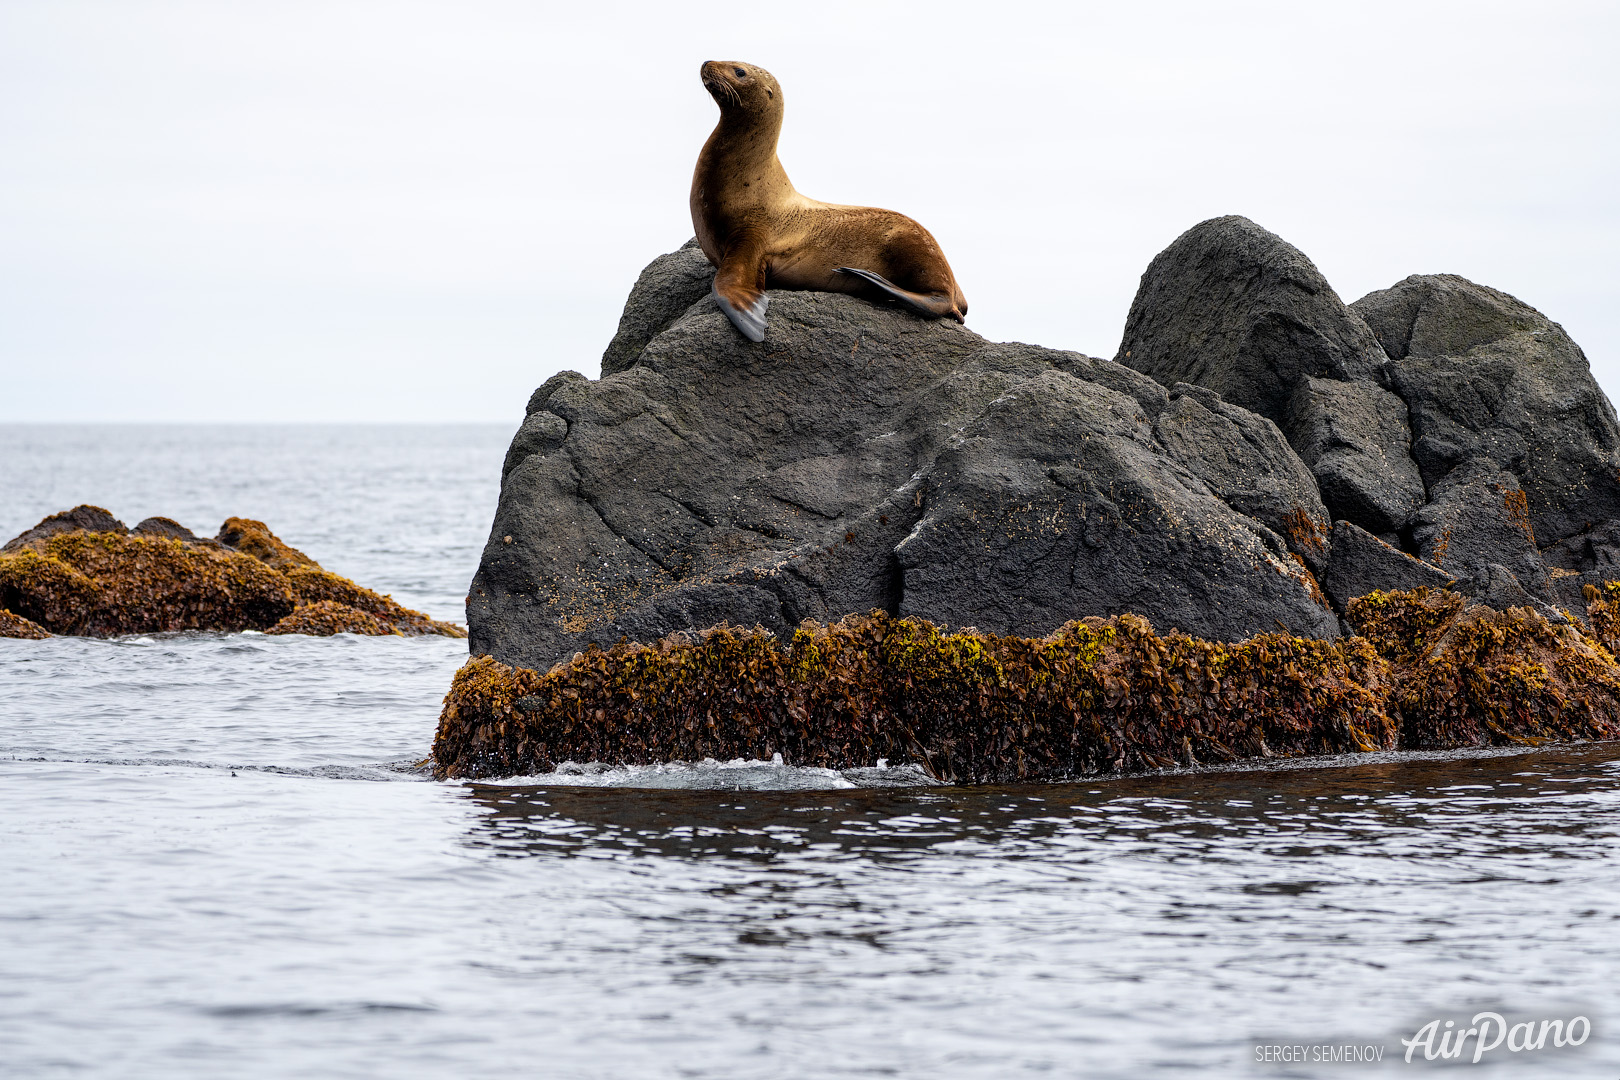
(1597,549)
(1057,499)
(860,458)
(1354,437)
(1234,308)
(1237,309)
(665,290)
(1361,563)
(1492,384)
(1477,518)
(1248,465)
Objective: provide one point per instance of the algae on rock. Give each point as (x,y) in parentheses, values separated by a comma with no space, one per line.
(83,573)
(1435,670)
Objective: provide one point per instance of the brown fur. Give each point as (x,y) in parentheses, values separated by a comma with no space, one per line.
(760,233)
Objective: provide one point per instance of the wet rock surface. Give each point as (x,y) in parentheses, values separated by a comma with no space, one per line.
(96,578)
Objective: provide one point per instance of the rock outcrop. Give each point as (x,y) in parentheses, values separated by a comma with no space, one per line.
(862,458)
(1234,308)
(912,518)
(1494,386)
(1448,419)
(82,572)
(1361,563)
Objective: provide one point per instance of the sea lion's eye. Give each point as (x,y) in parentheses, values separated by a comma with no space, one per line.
(741,74)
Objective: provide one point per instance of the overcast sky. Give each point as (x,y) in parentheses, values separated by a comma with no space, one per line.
(398,211)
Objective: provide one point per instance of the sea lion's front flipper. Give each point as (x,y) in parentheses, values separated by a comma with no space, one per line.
(934,305)
(750,318)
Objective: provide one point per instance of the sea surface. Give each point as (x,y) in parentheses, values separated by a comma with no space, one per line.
(217,859)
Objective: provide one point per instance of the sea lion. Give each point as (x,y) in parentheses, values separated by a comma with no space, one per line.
(761,233)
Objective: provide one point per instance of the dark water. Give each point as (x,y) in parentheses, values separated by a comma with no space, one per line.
(217,862)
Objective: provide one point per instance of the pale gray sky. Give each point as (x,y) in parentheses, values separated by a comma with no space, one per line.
(418,211)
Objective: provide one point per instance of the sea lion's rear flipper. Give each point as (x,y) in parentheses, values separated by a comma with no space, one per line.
(934,305)
(750,319)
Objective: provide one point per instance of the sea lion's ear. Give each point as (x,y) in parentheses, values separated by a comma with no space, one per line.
(750,320)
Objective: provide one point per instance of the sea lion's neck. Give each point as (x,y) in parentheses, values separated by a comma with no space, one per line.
(744,147)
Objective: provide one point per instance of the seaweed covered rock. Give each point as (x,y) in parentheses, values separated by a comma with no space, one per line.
(84,517)
(1435,670)
(15,626)
(864,458)
(162,526)
(1097,696)
(255,538)
(103,581)
(1466,674)
(323,618)
(1252,442)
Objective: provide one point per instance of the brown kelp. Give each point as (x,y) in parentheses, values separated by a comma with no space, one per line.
(107,581)
(15,626)
(1099,695)
(1468,675)
(1428,669)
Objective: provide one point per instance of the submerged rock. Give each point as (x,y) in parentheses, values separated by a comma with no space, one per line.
(106,581)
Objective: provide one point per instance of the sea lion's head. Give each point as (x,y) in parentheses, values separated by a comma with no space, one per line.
(742,89)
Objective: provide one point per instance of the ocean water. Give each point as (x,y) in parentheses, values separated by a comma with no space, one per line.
(219,859)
